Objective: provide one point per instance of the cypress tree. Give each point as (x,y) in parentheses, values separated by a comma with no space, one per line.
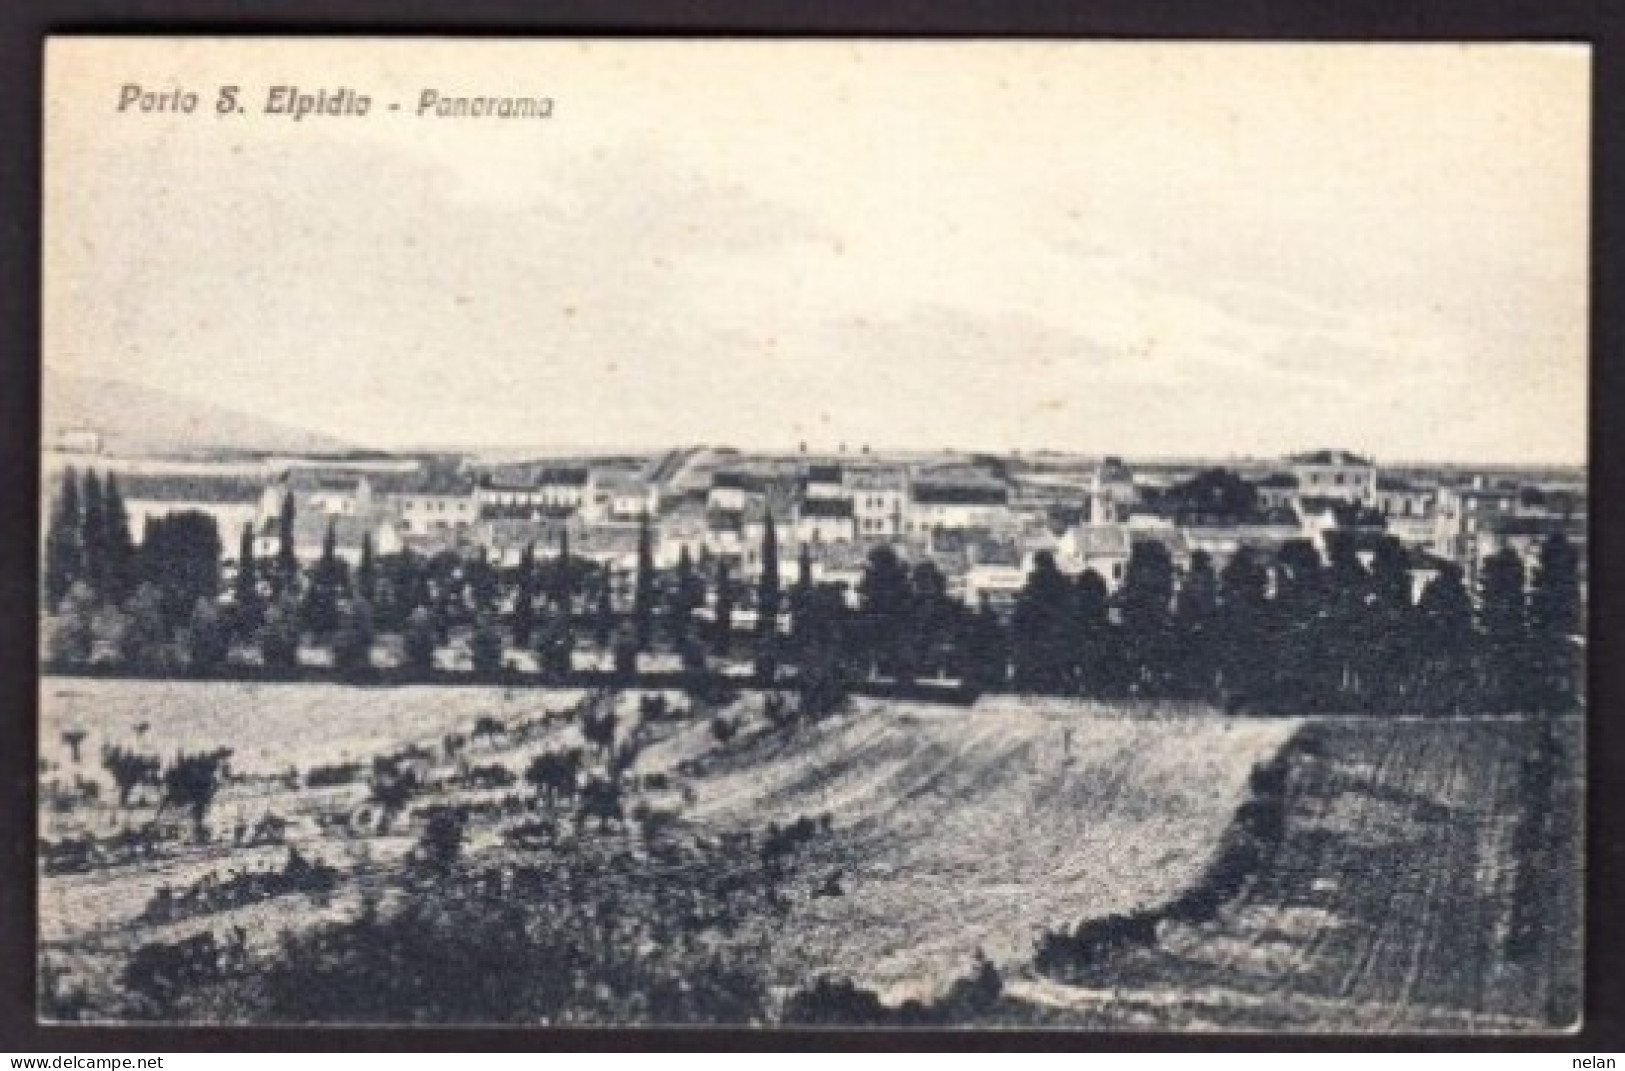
(524,599)
(1041,632)
(1445,624)
(1504,622)
(64,562)
(247,590)
(885,595)
(1196,609)
(366,574)
(287,558)
(1244,660)
(563,586)
(723,635)
(1554,622)
(643,590)
(321,601)
(119,547)
(93,536)
(688,595)
(767,593)
(1146,599)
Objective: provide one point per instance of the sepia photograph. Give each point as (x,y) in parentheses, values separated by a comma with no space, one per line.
(990,534)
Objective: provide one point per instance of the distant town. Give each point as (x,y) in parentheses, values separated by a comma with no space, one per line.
(980,519)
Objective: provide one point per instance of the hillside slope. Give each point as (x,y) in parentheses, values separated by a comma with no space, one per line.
(139,420)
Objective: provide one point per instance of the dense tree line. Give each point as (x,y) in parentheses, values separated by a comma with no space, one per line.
(1297,633)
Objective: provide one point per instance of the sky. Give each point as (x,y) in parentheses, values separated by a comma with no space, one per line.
(1141,249)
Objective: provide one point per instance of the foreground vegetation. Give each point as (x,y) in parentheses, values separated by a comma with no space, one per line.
(458,855)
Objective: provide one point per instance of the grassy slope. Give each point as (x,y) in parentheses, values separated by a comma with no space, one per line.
(1394,903)
(961,830)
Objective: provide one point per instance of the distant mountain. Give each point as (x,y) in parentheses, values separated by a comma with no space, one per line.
(133,419)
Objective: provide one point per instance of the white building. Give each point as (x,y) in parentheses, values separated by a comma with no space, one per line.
(825,520)
(956,505)
(1335,474)
(1112,493)
(879,500)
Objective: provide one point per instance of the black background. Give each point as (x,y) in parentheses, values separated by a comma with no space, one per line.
(23,27)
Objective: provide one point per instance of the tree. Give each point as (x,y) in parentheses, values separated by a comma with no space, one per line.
(1392,652)
(802,589)
(129,770)
(191,782)
(119,569)
(143,642)
(1345,638)
(248,611)
(722,634)
(1041,636)
(207,640)
(352,638)
(481,579)
(643,591)
(64,560)
(93,536)
(767,591)
(418,642)
(604,618)
(1307,670)
(688,595)
(932,612)
(982,648)
(1244,659)
(561,588)
(286,577)
(1445,641)
(555,645)
(524,597)
(1504,622)
(486,647)
(1555,624)
(1146,598)
(1217,493)
(1196,612)
(279,636)
(321,605)
(180,556)
(366,573)
(70,637)
(823,679)
(885,596)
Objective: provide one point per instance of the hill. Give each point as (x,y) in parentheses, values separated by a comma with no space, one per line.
(139,420)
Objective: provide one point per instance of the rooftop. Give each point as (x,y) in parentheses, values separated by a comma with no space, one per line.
(1332,457)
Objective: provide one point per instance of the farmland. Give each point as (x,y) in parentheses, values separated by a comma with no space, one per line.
(1399,895)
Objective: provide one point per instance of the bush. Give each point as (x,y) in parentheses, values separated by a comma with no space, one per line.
(330,776)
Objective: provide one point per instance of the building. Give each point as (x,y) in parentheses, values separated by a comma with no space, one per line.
(1112,492)
(1463,512)
(824,481)
(961,504)
(1278,490)
(1399,498)
(77,441)
(1335,474)
(617,496)
(1102,547)
(232,502)
(879,498)
(432,511)
(825,520)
